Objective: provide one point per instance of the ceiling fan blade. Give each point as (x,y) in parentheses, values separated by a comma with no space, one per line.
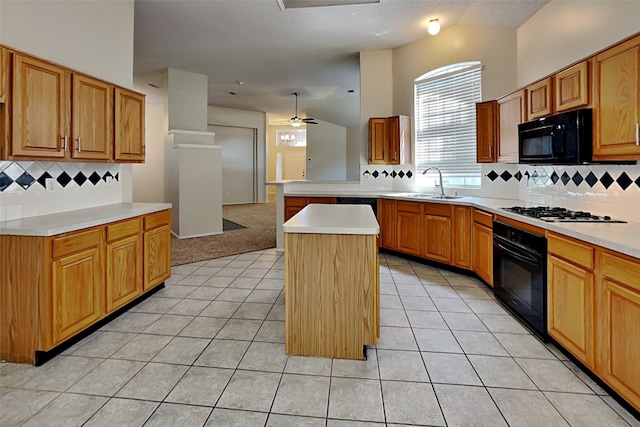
(311,123)
(308,119)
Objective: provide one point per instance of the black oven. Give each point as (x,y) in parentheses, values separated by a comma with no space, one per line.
(520,274)
(564,139)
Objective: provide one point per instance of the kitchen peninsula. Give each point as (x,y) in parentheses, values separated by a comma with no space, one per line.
(332,286)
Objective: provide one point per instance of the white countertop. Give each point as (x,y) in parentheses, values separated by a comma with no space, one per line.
(623,238)
(333,219)
(63,222)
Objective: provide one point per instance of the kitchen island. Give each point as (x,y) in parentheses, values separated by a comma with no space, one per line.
(332,286)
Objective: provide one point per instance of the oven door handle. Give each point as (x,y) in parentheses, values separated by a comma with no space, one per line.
(518,254)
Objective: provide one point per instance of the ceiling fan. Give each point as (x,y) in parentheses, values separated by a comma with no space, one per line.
(299,121)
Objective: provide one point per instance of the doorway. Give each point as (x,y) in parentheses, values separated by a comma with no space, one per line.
(239,163)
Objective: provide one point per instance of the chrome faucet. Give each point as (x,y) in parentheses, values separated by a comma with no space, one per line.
(439,174)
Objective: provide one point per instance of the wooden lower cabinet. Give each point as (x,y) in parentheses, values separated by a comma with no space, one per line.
(482,250)
(124,263)
(461,236)
(618,323)
(293,205)
(408,227)
(77,283)
(436,232)
(54,287)
(387,221)
(157,249)
(570,296)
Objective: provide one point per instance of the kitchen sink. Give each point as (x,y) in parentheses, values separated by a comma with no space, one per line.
(440,196)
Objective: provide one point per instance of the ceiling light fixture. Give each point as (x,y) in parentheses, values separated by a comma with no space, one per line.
(434,27)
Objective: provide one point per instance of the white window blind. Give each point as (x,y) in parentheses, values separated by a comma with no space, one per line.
(445,122)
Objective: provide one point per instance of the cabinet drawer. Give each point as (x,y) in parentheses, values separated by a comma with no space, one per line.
(296,201)
(123,229)
(439,209)
(412,207)
(571,250)
(157,219)
(75,242)
(620,270)
(483,218)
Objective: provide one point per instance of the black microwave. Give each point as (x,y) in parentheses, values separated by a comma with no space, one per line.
(561,139)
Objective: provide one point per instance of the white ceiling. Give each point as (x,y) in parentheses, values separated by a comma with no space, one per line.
(276,52)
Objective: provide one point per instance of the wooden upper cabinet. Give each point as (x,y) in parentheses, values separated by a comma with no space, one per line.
(571,87)
(399,140)
(486,131)
(4,74)
(511,112)
(129,126)
(616,73)
(540,99)
(92,118)
(378,137)
(40,94)
(390,140)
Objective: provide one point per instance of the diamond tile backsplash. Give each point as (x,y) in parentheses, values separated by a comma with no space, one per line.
(602,189)
(77,186)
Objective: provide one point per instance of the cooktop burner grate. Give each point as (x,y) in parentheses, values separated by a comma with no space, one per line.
(557,214)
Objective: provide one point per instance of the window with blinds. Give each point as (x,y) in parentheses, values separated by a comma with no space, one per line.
(445,123)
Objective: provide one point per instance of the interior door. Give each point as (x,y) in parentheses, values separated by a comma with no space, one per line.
(295,164)
(239,163)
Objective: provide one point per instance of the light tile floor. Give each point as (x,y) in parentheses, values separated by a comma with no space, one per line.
(209,350)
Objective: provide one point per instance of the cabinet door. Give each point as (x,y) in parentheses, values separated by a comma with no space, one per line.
(512,112)
(40,97)
(129,126)
(436,231)
(486,131)
(618,314)
(124,271)
(482,252)
(378,141)
(408,231)
(461,223)
(157,256)
(539,99)
(399,128)
(77,288)
(388,225)
(92,118)
(4,74)
(570,302)
(617,102)
(293,205)
(572,87)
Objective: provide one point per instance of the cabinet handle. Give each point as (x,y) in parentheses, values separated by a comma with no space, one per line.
(637,133)
(491,151)
(65,141)
(79,146)
(395,155)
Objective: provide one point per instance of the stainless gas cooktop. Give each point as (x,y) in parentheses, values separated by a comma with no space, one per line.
(556,214)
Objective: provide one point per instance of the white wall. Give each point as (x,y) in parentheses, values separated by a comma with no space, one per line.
(376,95)
(326,152)
(148,177)
(93,37)
(249,119)
(187,94)
(494,47)
(563,32)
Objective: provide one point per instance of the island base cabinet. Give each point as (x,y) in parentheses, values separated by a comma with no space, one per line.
(331,294)
(619,325)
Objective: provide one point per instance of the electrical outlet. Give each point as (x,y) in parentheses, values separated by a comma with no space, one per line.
(108,182)
(50,185)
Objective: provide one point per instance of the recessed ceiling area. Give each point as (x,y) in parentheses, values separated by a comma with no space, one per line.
(311,50)
(293,4)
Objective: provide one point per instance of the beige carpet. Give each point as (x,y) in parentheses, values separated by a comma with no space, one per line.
(260,220)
